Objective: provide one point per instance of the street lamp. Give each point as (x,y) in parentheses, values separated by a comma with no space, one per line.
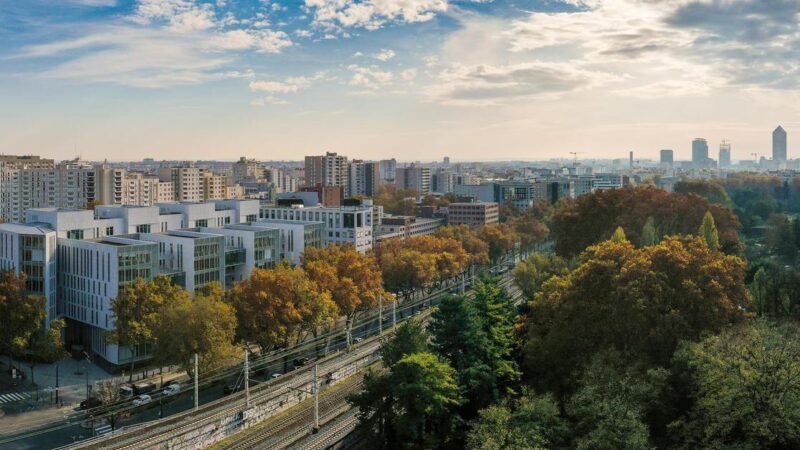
(88,361)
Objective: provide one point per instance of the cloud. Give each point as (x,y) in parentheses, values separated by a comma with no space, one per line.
(369,77)
(95,3)
(408,74)
(289,85)
(372,14)
(487,85)
(384,55)
(266,41)
(181,15)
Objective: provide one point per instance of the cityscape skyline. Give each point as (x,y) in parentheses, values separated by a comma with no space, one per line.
(195,79)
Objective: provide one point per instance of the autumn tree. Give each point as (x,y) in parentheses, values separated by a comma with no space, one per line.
(275,307)
(592,218)
(781,238)
(22,314)
(530,230)
(136,312)
(712,191)
(649,234)
(402,202)
(353,279)
(530,274)
(44,346)
(745,384)
(419,261)
(204,325)
(641,301)
(500,238)
(476,247)
(113,408)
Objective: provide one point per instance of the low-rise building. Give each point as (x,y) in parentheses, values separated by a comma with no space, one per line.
(345,224)
(473,214)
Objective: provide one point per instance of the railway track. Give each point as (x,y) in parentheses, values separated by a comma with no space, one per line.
(286,430)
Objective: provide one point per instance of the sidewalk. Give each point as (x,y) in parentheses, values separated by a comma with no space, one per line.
(39,407)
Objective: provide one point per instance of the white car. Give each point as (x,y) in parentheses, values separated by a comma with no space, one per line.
(276,375)
(172,389)
(142,400)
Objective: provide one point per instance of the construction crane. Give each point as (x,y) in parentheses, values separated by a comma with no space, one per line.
(755,158)
(575,158)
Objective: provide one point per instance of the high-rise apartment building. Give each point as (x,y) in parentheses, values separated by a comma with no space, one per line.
(413,177)
(443,181)
(700,153)
(188,182)
(246,170)
(329,169)
(364,178)
(779,144)
(667,157)
(724,154)
(388,169)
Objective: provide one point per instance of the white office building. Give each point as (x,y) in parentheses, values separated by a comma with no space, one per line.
(345,224)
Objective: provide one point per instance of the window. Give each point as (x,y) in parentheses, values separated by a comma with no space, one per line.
(75,234)
(109,231)
(144,228)
(201,223)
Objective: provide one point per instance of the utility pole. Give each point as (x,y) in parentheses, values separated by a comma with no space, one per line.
(316,399)
(196,399)
(57,382)
(463,281)
(246,378)
(394,314)
(380,314)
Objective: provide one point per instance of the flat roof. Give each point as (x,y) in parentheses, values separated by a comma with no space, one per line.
(25,228)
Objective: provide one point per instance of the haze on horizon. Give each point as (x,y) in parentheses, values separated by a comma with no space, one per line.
(410,79)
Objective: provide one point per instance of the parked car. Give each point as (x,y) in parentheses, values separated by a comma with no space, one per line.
(142,400)
(300,362)
(172,389)
(276,375)
(91,402)
(143,388)
(231,388)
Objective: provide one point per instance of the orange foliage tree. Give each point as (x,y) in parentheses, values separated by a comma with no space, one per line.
(353,280)
(592,218)
(642,302)
(476,247)
(275,307)
(419,261)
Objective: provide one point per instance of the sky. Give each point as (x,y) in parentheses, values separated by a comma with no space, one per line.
(410,79)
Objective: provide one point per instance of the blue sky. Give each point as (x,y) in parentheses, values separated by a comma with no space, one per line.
(413,79)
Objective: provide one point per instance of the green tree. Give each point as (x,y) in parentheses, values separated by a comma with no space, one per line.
(745,384)
(205,326)
(609,407)
(530,274)
(531,422)
(618,236)
(409,338)
(410,406)
(649,233)
(708,231)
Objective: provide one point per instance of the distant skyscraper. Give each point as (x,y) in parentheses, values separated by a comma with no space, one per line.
(699,152)
(446,160)
(779,144)
(666,157)
(631,159)
(724,154)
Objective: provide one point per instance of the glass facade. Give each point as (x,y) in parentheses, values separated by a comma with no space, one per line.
(136,262)
(207,262)
(265,250)
(33,262)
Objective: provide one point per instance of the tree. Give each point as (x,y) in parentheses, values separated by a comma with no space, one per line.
(649,233)
(110,397)
(136,312)
(619,236)
(476,338)
(592,218)
(273,306)
(530,274)
(610,406)
(781,237)
(476,247)
(419,261)
(353,280)
(640,301)
(745,384)
(500,238)
(205,326)
(411,406)
(22,314)
(45,345)
(402,202)
(712,191)
(93,204)
(410,337)
(529,230)
(531,422)
(708,231)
